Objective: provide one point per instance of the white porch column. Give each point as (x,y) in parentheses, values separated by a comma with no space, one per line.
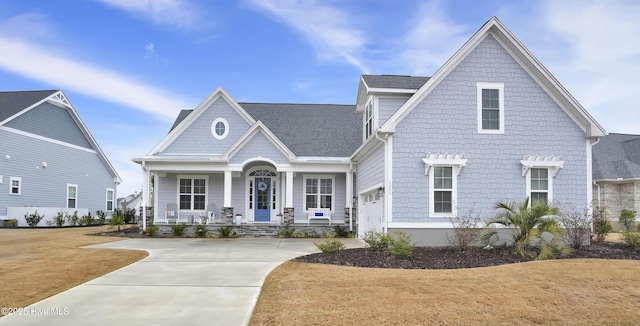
(146,185)
(227,188)
(349,199)
(289,190)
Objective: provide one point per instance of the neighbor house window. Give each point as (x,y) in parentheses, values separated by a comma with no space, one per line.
(220,128)
(368,119)
(72,196)
(192,192)
(110,200)
(539,184)
(318,192)
(490,107)
(15,185)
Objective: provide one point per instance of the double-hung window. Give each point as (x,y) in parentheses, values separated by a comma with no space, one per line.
(192,192)
(540,171)
(443,170)
(368,119)
(490,107)
(72,196)
(109,200)
(318,192)
(15,185)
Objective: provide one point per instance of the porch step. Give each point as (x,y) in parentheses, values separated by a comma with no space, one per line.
(257,230)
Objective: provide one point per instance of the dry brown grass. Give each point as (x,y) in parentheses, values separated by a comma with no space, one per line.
(556,292)
(38,263)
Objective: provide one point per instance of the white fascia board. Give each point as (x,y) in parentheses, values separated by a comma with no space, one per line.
(620,180)
(322,159)
(392,90)
(366,148)
(199,109)
(361,98)
(249,134)
(318,168)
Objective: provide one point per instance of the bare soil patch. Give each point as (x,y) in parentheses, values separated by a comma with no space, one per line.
(38,263)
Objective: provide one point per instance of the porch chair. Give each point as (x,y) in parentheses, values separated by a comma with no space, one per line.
(211,213)
(171,213)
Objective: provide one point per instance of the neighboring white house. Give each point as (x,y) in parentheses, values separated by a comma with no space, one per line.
(49,162)
(492,124)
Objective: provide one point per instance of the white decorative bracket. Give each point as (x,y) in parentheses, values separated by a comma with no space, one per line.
(553,163)
(456,160)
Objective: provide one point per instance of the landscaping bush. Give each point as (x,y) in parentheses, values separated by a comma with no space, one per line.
(178,229)
(287,231)
(601,224)
(72,219)
(577,226)
(330,246)
(627,220)
(341,231)
(33,219)
(466,230)
(116,220)
(401,246)
(87,219)
(201,230)
(632,239)
(11,223)
(151,230)
(300,235)
(227,232)
(376,240)
(59,220)
(535,233)
(101,216)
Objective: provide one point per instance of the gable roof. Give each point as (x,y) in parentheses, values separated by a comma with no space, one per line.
(258,127)
(327,130)
(617,156)
(394,81)
(15,103)
(526,60)
(11,103)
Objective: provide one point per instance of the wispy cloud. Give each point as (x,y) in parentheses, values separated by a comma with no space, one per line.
(602,59)
(433,38)
(329,30)
(181,14)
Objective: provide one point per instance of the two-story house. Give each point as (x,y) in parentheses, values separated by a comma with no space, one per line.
(492,124)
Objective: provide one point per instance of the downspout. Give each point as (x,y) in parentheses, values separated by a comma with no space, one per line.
(384,216)
(352,195)
(593,143)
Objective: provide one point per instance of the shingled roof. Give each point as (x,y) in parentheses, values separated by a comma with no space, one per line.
(616,156)
(394,81)
(14,102)
(325,130)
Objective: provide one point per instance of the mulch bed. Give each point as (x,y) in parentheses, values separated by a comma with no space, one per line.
(454,258)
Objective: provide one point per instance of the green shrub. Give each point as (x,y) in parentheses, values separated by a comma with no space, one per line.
(376,241)
(86,219)
(401,246)
(116,220)
(201,231)
(11,223)
(151,230)
(627,219)
(300,235)
(330,246)
(632,239)
(101,216)
(341,231)
(178,229)
(227,232)
(72,219)
(59,219)
(601,224)
(33,219)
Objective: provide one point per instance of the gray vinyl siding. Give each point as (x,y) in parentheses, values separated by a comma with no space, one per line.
(50,121)
(259,146)
(446,122)
(47,187)
(339,197)
(238,194)
(198,139)
(370,170)
(388,105)
(167,191)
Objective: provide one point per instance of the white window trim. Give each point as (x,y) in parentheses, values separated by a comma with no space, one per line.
(206,192)
(500,88)
(333,190)
(550,162)
(457,162)
(113,202)
(549,190)
(226,128)
(371,102)
(19,179)
(69,185)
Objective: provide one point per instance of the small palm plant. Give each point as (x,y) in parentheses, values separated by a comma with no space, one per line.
(535,233)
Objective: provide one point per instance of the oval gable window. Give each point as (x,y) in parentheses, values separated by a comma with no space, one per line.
(220,128)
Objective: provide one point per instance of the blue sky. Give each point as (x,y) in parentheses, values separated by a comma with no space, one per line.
(129,66)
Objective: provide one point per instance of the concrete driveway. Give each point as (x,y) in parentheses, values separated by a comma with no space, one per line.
(181,282)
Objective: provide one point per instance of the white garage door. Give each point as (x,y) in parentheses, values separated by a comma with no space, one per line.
(371,217)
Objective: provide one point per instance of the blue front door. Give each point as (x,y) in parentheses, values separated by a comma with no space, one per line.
(263,207)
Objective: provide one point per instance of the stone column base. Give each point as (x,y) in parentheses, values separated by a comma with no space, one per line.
(287,217)
(227,215)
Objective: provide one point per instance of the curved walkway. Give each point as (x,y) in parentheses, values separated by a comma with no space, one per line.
(181,282)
